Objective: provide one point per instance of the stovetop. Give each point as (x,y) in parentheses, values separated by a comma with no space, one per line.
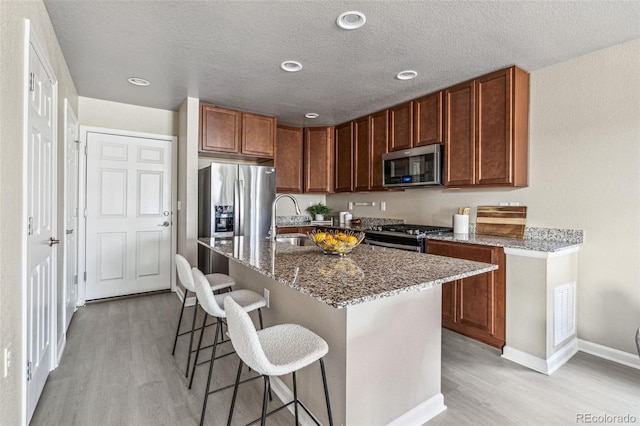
(411,230)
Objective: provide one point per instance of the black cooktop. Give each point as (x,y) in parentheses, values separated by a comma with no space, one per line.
(410,229)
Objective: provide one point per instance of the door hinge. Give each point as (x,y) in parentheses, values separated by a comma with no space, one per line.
(30,226)
(75,279)
(86,150)
(29,377)
(85,276)
(32,82)
(77,141)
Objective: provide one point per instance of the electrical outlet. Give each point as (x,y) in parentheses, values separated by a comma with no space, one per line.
(266,296)
(383,206)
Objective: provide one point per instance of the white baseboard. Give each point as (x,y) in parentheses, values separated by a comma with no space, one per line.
(180,293)
(544,366)
(615,355)
(61,345)
(421,413)
(285,394)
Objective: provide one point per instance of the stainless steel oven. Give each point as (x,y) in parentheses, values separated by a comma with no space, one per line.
(402,236)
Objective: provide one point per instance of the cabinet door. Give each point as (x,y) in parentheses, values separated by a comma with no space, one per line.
(288,159)
(344,158)
(474,306)
(219,129)
(258,134)
(318,159)
(427,120)
(459,134)
(401,126)
(494,143)
(380,145)
(362,174)
(449,292)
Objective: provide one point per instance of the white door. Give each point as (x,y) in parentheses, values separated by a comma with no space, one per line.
(70,213)
(41,223)
(128,215)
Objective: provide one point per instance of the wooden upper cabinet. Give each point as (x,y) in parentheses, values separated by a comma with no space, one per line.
(258,134)
(229,131)
(486,130)
(318,159)
(428,120)
(344,158)
(363,154)
(502,131)
(219,129)
(288,159)
(379,146)
(401,126)
(459,134)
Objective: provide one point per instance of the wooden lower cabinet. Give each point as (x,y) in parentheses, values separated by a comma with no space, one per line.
(294,229)
(474,306)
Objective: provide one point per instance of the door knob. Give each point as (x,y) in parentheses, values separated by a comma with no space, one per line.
(53,241)
(165,224)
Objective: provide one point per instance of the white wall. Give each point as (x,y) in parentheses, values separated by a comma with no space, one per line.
(584,168)
(12,75)
(115,115)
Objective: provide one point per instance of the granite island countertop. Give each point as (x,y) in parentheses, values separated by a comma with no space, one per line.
(367,273)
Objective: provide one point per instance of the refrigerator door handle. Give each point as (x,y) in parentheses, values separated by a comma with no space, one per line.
(236,213)
(240,207)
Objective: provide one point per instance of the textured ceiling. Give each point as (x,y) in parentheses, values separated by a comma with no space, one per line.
(229,52)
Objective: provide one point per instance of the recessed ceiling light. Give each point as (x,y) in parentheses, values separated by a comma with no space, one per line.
(351,20)
(406,75)
(137,81)
(312,115)
(291,66)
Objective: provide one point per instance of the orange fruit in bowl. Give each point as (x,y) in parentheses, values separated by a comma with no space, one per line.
(319,236)
(341,236)
(352,240)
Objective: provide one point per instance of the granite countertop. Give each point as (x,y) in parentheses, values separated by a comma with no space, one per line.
(542,245)
(367,273)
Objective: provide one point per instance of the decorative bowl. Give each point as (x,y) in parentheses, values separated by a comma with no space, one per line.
(338,242)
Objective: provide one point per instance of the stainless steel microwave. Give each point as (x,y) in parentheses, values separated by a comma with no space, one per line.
(421,166)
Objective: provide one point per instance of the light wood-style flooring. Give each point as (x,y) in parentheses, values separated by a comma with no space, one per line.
(117,369)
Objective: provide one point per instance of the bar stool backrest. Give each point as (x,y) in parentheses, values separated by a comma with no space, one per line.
(184,273)
(244,338)
(205,294)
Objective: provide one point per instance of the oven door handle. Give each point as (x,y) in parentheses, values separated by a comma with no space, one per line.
(392,245)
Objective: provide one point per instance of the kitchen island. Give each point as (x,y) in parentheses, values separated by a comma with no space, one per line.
(378,309)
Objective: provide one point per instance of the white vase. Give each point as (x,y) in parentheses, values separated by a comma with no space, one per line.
(319,217)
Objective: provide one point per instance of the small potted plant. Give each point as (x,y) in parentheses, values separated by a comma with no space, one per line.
(318,210)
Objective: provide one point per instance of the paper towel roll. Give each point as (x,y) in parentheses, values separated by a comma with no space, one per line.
(460,223)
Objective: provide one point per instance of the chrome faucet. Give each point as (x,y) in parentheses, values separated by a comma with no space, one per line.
(272,231)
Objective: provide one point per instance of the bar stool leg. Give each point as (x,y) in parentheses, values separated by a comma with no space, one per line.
(235,393)
(213,357)
(267,388)
(295,396)
(193,328)
(195,362)
(175,341)
(326,391)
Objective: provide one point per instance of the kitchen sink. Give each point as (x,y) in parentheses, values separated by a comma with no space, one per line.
(296,241)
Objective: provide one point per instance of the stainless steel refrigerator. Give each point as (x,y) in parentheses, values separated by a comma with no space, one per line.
(233,200)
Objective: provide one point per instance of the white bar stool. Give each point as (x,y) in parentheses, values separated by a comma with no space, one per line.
(274,351)
(245,300)
(216,282)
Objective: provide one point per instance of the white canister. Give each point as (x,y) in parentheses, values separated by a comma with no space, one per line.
(342,217)
(460,223)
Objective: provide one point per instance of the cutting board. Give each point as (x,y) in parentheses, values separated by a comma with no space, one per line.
(502,221)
